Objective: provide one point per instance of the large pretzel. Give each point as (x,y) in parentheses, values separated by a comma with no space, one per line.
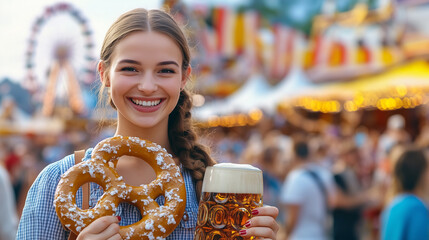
(157,221)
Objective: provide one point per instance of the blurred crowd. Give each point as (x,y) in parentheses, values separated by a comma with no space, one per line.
(343,180)
(335,184)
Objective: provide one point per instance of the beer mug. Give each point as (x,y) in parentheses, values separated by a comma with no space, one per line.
(230,192)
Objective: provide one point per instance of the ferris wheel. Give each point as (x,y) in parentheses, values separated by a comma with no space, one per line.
(59,58)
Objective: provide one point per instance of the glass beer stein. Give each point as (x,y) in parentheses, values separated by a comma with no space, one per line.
(230,193)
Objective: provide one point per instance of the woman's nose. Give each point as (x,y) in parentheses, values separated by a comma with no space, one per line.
(147,83)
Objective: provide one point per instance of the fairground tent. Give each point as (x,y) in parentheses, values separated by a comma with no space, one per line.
(243,100)
(406,84)
(257,93)
(293,85)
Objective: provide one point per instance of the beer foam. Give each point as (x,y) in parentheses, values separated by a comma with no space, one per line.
(233,178)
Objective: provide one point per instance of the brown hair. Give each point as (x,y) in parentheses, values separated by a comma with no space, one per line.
(181,134)
(409,169)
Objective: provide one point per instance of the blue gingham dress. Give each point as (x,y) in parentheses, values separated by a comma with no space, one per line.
(39,219)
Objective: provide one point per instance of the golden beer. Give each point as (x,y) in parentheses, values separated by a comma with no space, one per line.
(230,193)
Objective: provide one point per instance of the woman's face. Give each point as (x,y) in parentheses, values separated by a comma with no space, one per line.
(145,79)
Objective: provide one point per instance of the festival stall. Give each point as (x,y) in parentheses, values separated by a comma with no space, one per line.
(401,89)
(243,100)
(405,86)
(359,59)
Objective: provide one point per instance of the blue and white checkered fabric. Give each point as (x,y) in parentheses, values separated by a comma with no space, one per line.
(39,219)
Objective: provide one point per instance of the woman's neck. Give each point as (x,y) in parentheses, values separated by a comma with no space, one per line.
(157,134)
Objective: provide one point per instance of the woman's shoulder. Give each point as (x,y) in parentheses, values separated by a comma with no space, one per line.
(57,168)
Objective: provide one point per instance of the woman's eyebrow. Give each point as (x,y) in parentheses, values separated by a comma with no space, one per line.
(129,61)
(168,63)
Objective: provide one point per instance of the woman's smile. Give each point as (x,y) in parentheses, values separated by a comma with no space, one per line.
(146,105)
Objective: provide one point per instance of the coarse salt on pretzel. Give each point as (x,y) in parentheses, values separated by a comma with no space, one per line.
(157,221)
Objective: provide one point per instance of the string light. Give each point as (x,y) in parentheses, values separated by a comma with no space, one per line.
(402,90)
(198,100)
(350,106)
(388,99)
(235,120)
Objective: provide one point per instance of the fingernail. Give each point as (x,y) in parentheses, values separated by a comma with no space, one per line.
(247,224)
(243,232)
(255,212)
(119,218)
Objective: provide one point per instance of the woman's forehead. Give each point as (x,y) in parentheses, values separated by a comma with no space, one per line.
(148,45)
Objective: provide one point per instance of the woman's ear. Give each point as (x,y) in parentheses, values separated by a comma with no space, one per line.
(185,78)
(101,71)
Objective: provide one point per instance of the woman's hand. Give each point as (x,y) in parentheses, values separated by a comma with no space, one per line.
(106,227)
(263,224)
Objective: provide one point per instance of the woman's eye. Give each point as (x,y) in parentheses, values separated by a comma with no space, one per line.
(167,70)
(128,69)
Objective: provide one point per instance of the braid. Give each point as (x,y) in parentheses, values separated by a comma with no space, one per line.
(183,141)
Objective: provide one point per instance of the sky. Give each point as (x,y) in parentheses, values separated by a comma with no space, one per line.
(18,16)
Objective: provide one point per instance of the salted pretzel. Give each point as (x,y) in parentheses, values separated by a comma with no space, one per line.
(157,221)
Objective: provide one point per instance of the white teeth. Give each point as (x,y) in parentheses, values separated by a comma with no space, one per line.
(146,103)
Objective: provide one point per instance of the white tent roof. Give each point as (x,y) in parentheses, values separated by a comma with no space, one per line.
(257,93)
(248,96)
(295,83)
(243,100)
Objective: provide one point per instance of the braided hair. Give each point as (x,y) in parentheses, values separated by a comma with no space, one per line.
(183,141)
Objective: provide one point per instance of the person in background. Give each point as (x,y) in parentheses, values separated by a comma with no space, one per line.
(350,197)
(9,218)
(395,133)
(407,216)
(383,191)
(272,184)
(306,196)
(12,164)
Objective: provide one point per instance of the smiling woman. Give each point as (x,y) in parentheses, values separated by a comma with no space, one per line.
(144,65)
